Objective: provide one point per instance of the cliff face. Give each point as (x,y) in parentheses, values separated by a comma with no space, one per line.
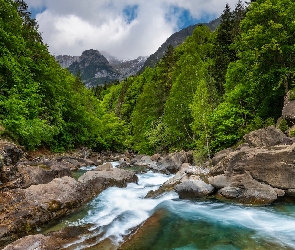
(65,61)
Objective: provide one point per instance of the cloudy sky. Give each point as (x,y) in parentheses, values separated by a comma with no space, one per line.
(123,28)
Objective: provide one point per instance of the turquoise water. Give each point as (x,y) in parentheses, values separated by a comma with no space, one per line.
(170,223)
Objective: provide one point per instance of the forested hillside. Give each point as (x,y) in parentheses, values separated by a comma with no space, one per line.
(215,87)
(41,104)
(204,95)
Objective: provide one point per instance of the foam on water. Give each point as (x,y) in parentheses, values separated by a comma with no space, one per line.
(117,211)
(264,221)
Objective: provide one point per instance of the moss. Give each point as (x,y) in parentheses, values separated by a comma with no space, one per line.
(54,206)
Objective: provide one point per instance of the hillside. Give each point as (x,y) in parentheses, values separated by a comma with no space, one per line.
(175,40)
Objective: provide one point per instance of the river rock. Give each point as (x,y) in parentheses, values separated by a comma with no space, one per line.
(25,174)
(193,188)
(51,241)
(186,173)
(112,177)
(106,167)
(266,137)
(245,189)
(24,210)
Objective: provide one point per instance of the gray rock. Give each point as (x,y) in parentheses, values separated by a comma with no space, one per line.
(275,166)
(26,174)
(265,137)
(193,189)
(220,155)
(219,181)
(107,167)
(288,112)
(114,177)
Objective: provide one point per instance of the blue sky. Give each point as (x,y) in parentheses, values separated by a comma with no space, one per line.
(123,28)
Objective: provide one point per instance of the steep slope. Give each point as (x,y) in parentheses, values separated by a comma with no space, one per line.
(175,40)
(65,61)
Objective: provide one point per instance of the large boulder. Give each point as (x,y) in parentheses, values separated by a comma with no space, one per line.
(256,175)
(25,174)
(266,137)
(112,177)
(10,154)
(288,112)
(193,188)
(24,210)
(275,166)
(243,188)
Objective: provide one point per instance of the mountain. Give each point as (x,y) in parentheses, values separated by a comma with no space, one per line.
(65,61)
(125,67)
(175,40)
(94,68)
(97,68)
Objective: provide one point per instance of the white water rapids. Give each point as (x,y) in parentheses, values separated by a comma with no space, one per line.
(116,211)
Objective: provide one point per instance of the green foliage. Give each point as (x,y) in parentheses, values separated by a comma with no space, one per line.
(42,104)
(292,132)
(204,95)
(292,94)
(188,70)
(283,126)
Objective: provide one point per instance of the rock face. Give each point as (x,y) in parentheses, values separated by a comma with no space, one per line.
(10,154)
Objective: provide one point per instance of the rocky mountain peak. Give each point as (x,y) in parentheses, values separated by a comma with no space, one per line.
(94,56)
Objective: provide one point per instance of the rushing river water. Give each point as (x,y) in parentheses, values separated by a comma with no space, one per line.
(171,223)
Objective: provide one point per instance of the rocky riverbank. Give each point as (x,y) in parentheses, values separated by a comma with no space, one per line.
(35,191)
(258,172)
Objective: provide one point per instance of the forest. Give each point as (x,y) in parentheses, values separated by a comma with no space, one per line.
(202,96)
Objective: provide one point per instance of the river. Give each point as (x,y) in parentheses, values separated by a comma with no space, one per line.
(171,223)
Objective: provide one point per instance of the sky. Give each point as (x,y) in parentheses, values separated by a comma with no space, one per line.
(125,29)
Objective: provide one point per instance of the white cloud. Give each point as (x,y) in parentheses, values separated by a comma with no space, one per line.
(72,26)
